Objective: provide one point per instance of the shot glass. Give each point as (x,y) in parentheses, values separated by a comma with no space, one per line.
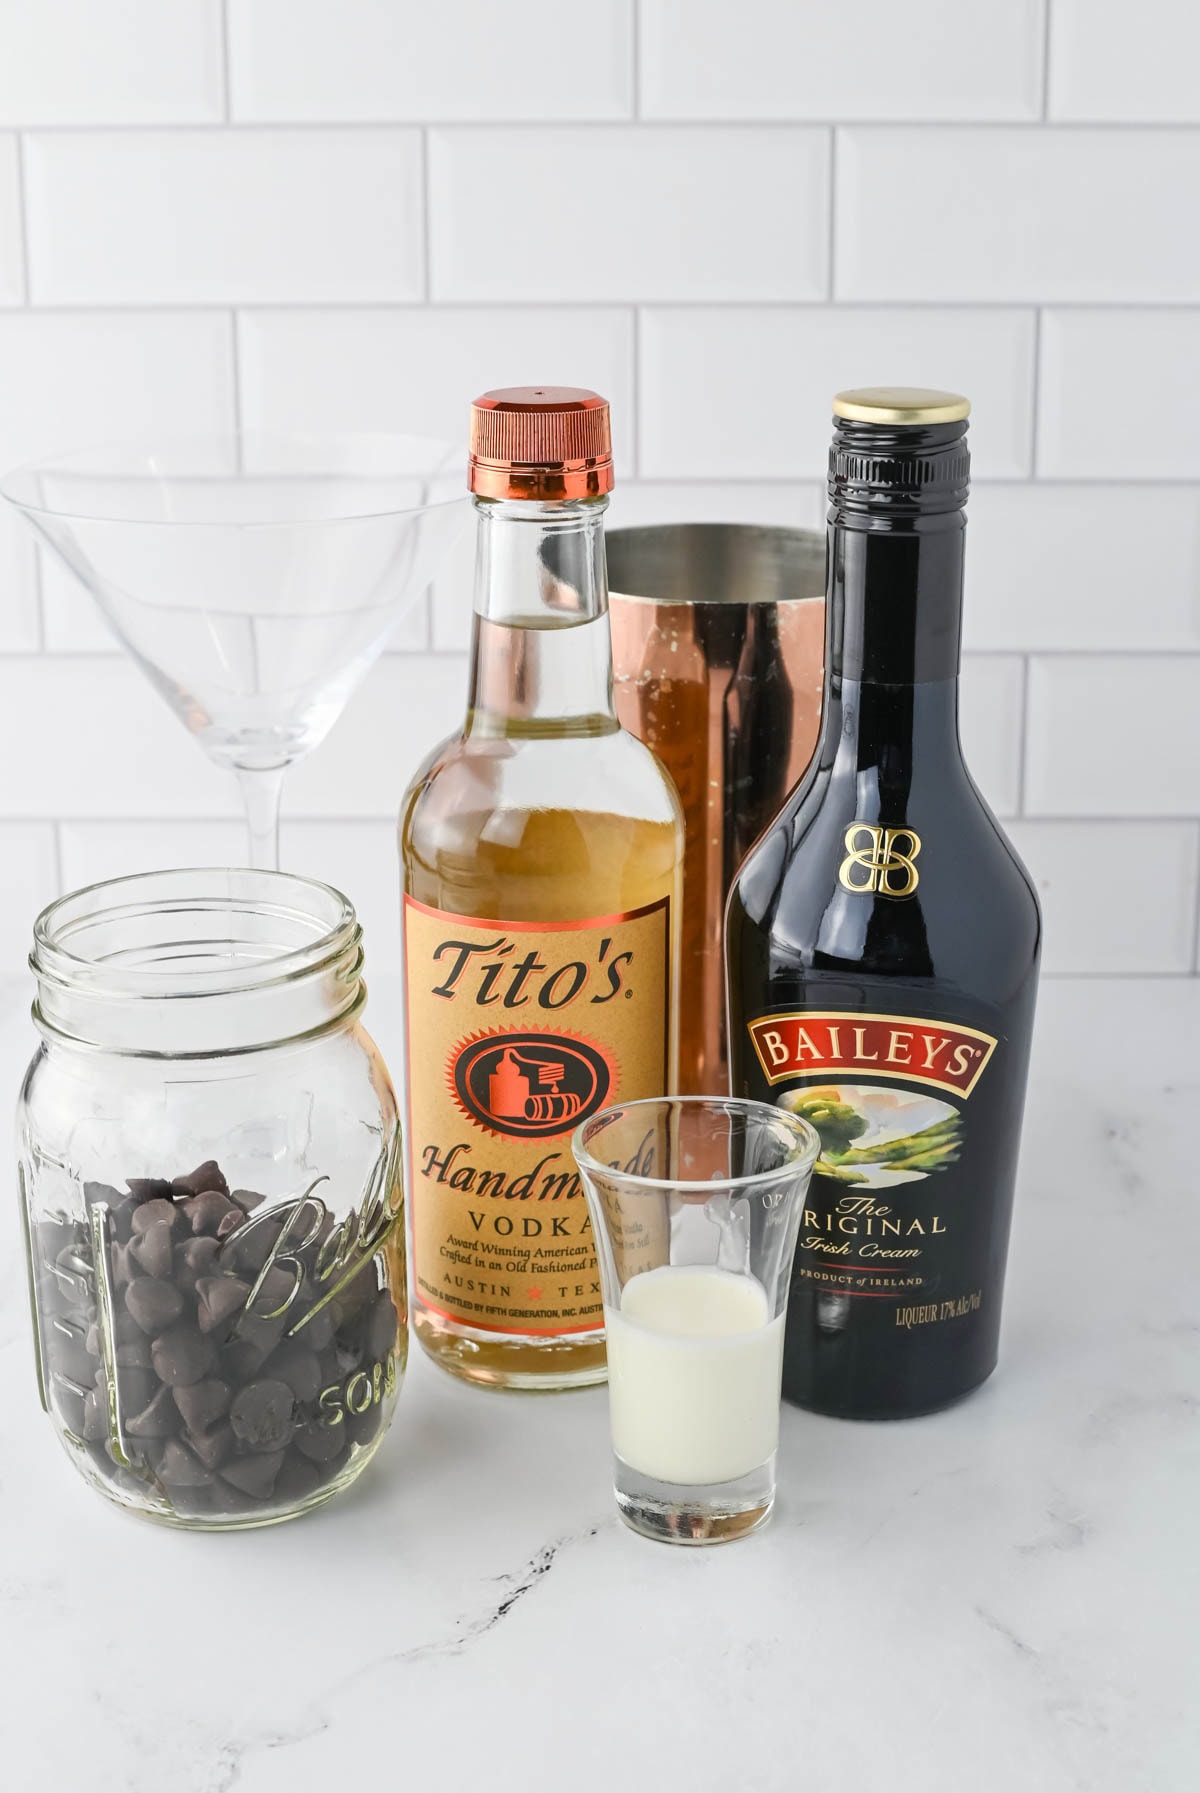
(695,1202)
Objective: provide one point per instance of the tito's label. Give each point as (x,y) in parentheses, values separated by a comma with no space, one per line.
(517,1032)
(896,1203)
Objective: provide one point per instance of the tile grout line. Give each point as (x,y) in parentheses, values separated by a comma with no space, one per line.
(226,67)
(23,219)
(1035,408)
(802,305)
(635,61)
(1023,739)
(426,268)
(831,218)
(235,375)
(635,382)
(775,122)
(1046,35)
(1196,902)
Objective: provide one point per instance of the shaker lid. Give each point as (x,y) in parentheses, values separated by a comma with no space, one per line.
(901,405)
(541,443)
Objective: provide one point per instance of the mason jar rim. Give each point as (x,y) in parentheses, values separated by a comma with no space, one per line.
(177,937)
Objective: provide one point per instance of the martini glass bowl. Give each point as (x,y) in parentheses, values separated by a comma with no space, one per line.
(254,578)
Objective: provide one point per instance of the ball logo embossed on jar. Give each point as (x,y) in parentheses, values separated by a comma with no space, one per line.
(529,1085)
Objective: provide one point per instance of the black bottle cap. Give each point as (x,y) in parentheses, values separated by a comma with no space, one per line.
(899,453)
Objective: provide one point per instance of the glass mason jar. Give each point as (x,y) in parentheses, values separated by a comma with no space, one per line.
(211,1186)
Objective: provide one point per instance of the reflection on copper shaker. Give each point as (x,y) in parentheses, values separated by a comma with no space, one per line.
(718,644)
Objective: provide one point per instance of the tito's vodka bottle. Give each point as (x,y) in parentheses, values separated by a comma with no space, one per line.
(882,951)
(541,850)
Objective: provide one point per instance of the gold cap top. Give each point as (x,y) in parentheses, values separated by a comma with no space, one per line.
(901,404)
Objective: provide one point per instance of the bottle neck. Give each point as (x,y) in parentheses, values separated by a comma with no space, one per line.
(541,654)
(893,627)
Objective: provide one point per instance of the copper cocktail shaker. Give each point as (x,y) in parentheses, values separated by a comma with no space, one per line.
(718,644)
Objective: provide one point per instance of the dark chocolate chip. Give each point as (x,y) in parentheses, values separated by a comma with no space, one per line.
(154,1304)
(318,1332)
(103,1192)
(149,1189)
(183,1354)
(95,1416)
(242,1359)
(381,1328)
(179,1468)
(261,1415)
(193,1259)
(155,1213)
(134,1354)
(362,1427)
(159,1420)
(298,1478)
(230,1222)
(152,1249)
(320,1443)
(299,1367)
(124,1265)
(203,1403)
(246,1199)
(218,1299)
(254,1475)
(205,1212)
(212,1447)
(205,1176)
(252,1245)
(66,1349)
(135,1390)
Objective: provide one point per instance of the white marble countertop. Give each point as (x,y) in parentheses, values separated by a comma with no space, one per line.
(1003,1596)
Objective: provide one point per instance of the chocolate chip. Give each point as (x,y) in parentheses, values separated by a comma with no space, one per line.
(95,1416)
(159,1420)
(134,1354)
(320,1443)
(246,1199)
(251,1245)
(242,1359)
(149,1189)
(205,1212)
(125,1330)
(218,1299)
(67,1351)
(183,1354)
(317,1333)
(135,1390)
(261,1415)
(202,1403)
(124,1265)
(193,1259)
(299,1367)
(297,1479)
(154,1304)
(230,1222)
(212,1447)
(205,1176)
(362,1427)
(103,1192)
(381,1328)
(254,1475)
(152,1248)
(179,1468)
(155,1213)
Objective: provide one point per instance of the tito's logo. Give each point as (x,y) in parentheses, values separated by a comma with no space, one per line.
(880,860)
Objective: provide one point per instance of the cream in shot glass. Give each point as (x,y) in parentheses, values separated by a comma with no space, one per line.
(695,1203)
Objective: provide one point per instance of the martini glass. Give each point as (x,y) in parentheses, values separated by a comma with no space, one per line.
(254,578)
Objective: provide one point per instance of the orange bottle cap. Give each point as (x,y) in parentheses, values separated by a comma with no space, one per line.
(540,442)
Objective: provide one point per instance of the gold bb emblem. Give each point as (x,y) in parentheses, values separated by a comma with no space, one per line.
(880,859)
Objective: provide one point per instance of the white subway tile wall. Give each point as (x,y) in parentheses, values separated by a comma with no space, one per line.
(353,215)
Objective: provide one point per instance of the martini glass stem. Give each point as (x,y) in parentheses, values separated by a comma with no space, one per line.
(262,787)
